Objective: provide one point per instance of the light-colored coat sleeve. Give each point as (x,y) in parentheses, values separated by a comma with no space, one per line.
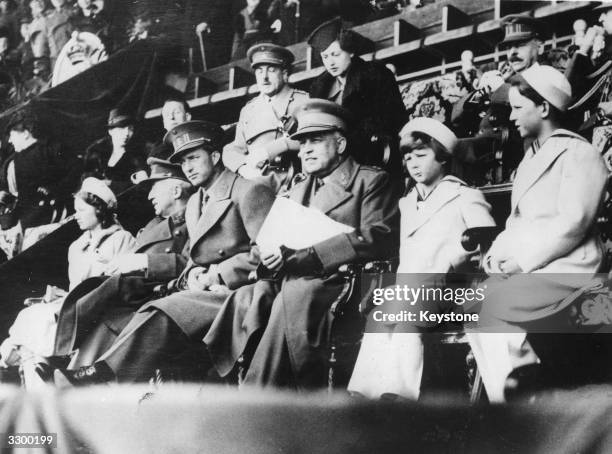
(84,263)
(234,153)
(476,212)
(557,213)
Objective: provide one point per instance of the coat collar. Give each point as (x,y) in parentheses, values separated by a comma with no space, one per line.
(92,241)
(446,191)
(353,81)
(353,76)
(218,202)
(162,231)
(532,167)
(334,192)
(280,102)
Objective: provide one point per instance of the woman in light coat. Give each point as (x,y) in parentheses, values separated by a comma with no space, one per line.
(33,333)
(556,194)
(434,215)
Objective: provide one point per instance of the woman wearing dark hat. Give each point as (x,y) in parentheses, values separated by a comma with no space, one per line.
(434,215)
(367,89)
(115,158)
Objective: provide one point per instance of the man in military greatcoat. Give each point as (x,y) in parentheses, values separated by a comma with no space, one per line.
(223,219)
(89,324)
(293,349)
(262,148)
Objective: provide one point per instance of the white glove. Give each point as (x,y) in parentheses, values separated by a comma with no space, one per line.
(255,156)
(276,26)
(491,81)
(249,172)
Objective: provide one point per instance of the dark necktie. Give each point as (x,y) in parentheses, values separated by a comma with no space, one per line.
(205,199)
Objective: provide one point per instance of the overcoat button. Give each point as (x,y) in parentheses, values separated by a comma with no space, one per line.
(168,250)
(221,252)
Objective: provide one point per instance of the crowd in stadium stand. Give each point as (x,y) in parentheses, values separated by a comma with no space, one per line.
(33,33)
(398,175)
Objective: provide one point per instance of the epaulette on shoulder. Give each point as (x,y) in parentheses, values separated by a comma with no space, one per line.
(297,91)
(249,104)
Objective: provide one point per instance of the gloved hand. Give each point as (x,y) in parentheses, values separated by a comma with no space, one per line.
(303,262)
(256,155)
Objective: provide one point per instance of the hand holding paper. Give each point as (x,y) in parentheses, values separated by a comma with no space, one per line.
(295,226)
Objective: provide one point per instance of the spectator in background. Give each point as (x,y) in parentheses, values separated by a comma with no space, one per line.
(218,17)
(291,28)
(24,48)
(366,89)
(115,158)
(59,28)
(557,58)
(262,149)
(9,18)
(9,71)
(39,82)
(175,111)
(38,29)
(9,57)
(38,173)
(141,28)
(92,17)
(251,25)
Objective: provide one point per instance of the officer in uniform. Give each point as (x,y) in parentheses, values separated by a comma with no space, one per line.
(591,81)
(223,219)
(496,140)
(293,348)
(90,323)
(262,148)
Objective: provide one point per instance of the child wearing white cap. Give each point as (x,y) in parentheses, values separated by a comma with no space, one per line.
(33,333)
(549,247)
(434,215)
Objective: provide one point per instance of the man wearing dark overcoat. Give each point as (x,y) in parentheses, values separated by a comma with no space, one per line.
(292,351)
(223,219)
(90,324)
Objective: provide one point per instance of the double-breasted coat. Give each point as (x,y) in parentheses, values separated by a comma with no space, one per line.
(355,195)
(90,323)
(224,236)
(551,232)
(391,361)
(267,122)
(430,232)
